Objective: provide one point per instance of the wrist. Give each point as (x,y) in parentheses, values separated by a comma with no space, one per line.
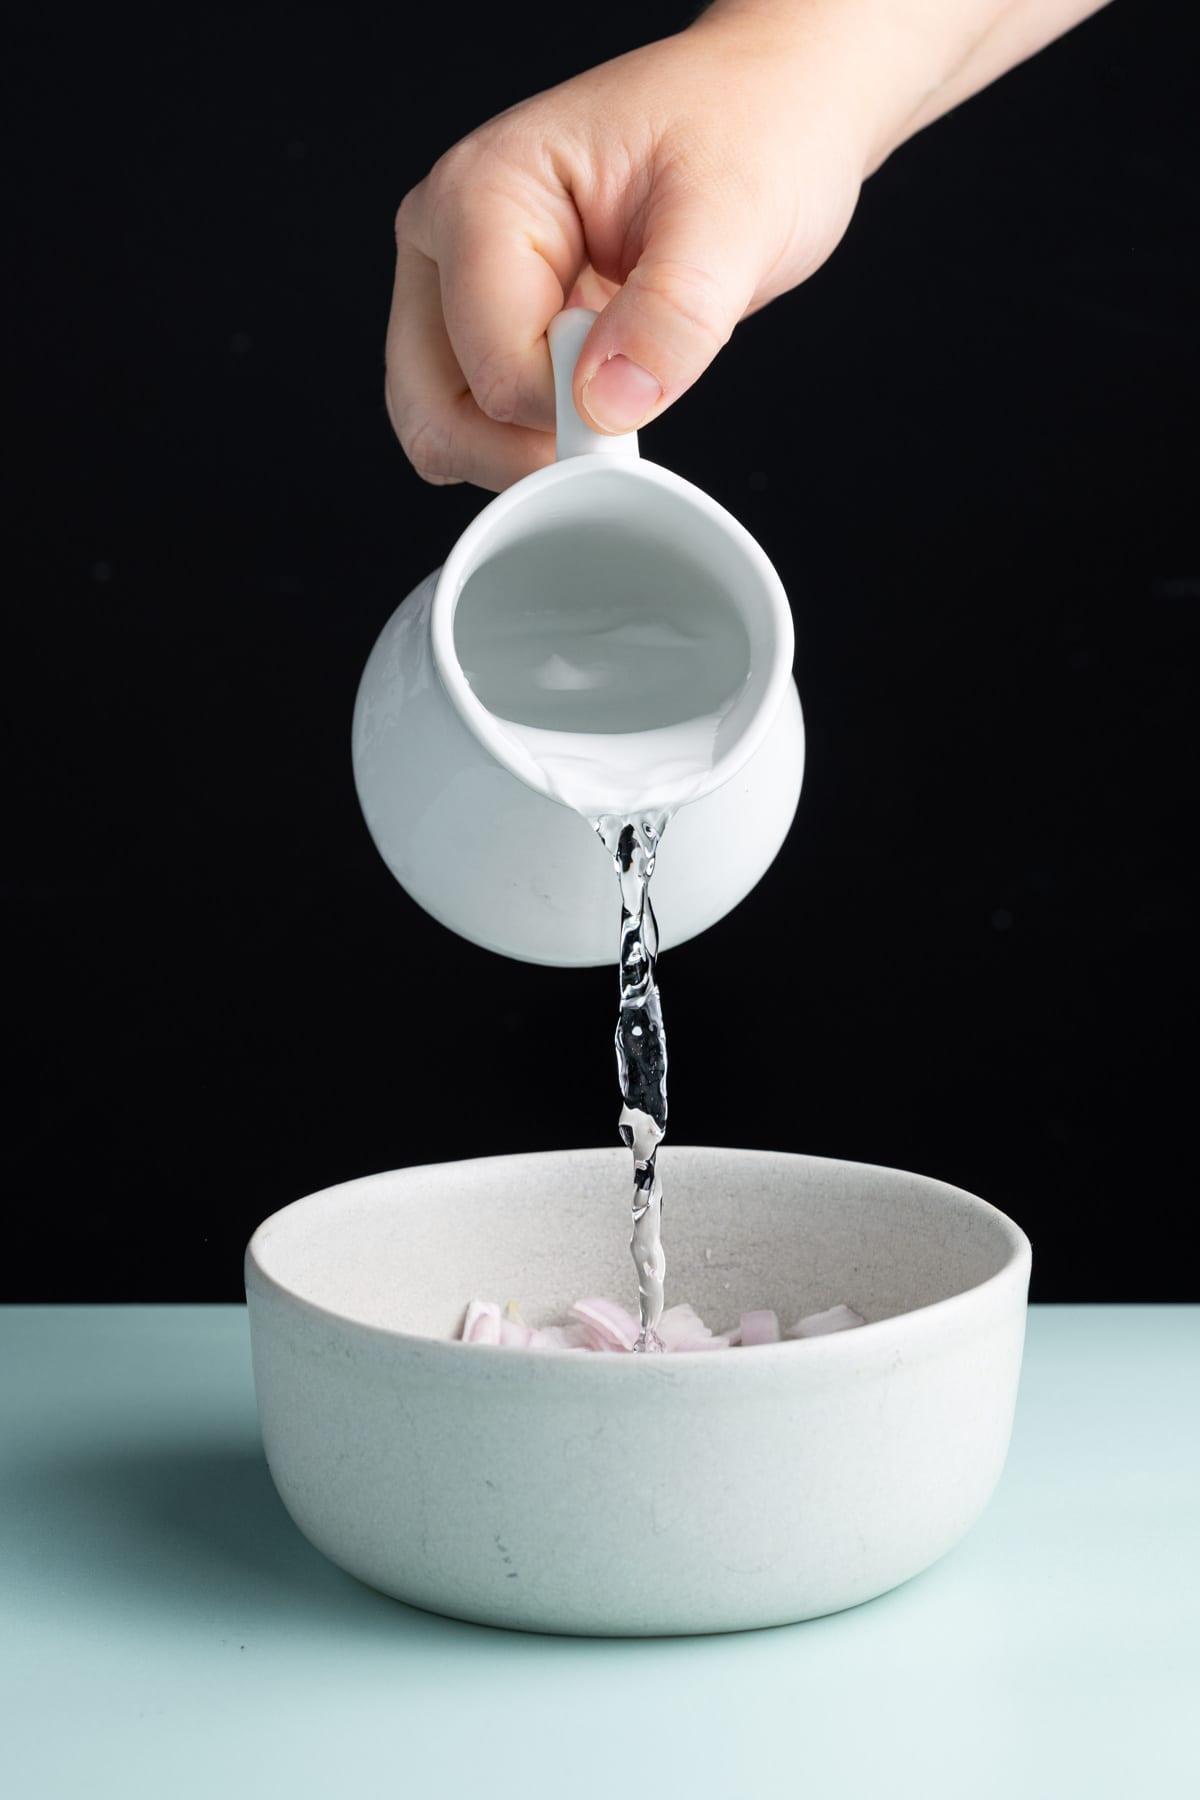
(881,65)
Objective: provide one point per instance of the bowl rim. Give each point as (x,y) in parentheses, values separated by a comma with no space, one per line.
(832,1349)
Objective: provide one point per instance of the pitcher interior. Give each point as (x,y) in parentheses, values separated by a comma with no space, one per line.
(585,629)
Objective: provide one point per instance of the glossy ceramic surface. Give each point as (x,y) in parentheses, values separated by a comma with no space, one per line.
(468,820)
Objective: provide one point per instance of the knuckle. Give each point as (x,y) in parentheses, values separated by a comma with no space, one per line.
(406,216)
(429,448)
(495,386)
(440,198)
(693,296)
(451,181)
(440,207)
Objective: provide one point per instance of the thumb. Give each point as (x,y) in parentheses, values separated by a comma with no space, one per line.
(693,281)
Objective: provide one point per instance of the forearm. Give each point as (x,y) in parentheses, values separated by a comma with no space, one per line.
(1018,29)
(904,63)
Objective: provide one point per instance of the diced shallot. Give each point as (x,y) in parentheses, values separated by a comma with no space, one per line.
(838,1318)
(608,1326)
(682,1328)
(759,1328)
(600,1324)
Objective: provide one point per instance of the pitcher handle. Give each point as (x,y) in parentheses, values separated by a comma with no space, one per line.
(566,334)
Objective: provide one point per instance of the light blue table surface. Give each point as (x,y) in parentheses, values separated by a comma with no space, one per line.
(165,1630)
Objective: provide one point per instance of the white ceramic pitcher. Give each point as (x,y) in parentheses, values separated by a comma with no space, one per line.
(480,713)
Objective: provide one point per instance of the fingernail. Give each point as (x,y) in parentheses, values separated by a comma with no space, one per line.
(620,395)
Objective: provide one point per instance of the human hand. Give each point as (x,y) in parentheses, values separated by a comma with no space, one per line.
(677,188)
(674,190)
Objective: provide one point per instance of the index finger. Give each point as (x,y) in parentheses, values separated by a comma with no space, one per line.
(506,264)
(433,412)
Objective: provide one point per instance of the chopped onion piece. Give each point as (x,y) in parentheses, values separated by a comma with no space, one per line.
(482,1323)
(609,1326)
(515,1331)
(838,1318)
(600,1324)
(759,1328)
(682,1328)
(561,1337)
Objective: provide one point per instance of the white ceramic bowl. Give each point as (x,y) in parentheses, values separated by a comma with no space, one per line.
(619,1495)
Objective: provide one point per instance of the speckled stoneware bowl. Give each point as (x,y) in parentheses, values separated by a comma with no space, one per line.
(615,1495)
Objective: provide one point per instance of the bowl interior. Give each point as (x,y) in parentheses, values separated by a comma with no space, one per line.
(741,1229)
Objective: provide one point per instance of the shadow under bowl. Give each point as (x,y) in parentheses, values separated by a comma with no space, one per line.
(613,1495)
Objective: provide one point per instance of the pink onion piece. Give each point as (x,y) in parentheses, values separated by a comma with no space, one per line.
(759,1328)
(682,1328)
(515,1331)
(600,1324)
(838,1318)
(608,1326)
(560,1337)
(482,1323)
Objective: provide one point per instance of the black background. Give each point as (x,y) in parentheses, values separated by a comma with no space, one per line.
(968,446)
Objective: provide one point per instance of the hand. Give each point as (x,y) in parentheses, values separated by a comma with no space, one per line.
(677,188)
(674,190)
